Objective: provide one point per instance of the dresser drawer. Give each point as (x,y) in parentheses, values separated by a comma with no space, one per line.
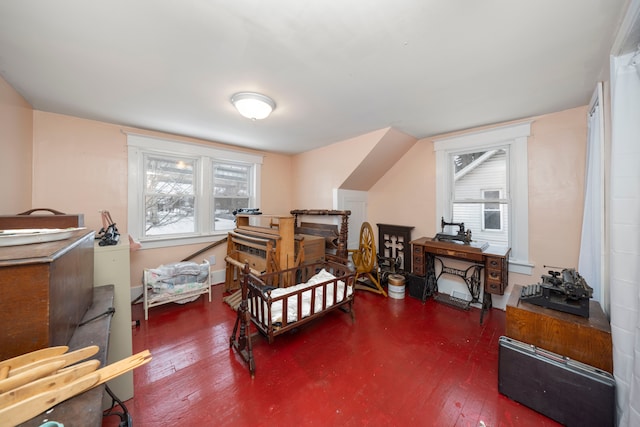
(493,282)
(418,266)
(496,263)
(417,259)
(495,276)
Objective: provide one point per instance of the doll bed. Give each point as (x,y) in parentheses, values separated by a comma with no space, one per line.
(321,287)
(180,282)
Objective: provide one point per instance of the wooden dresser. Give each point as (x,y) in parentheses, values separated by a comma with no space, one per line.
(45,289)
(587,340)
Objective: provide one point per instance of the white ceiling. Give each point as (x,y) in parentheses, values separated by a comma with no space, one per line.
(335,68)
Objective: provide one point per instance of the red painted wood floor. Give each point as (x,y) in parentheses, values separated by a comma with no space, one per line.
(401,363)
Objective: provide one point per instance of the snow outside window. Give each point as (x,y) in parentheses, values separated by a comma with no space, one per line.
(182,193)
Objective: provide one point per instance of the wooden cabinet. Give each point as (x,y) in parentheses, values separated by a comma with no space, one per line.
(587,340)
(45,289)
(85,409)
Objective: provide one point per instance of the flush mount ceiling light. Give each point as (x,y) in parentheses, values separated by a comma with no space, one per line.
(252,105)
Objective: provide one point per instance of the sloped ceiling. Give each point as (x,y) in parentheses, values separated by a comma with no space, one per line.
(386,152)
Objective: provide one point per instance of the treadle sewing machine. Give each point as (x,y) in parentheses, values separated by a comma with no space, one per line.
(494,260)
(564,291)
(461,236)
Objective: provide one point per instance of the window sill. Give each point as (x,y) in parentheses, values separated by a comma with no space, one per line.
(181,241)
(520,267)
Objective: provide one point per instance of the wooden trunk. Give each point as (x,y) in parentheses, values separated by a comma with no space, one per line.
(59,220)
(46,289)
(587,340)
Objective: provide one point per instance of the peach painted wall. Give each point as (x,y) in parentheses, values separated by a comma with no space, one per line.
(556,157)
(317,172)
(16,150)
(80,166)
(277,184)
(405,195)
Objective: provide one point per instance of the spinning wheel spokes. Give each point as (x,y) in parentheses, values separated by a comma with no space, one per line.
(367,247)
(365,259)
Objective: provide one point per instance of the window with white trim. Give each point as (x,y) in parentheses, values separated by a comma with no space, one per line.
(481,180)
(181,193)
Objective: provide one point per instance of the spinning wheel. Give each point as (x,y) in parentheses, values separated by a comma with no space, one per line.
(364,259)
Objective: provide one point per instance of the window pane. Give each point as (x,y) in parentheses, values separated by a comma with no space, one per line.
(474,172)
(231,191)
(492,220)
(473,216)
(231,180)
(464,161)
(479,189)
(224,207)
(491,195)
(169,196)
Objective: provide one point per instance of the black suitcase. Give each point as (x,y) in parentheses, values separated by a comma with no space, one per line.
(569,392)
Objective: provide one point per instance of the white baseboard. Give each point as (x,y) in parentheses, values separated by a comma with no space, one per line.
(218,276)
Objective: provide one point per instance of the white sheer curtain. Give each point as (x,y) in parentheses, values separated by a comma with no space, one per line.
(624,226)
(590,262)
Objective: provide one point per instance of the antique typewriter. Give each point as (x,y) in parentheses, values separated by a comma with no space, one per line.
(562,290)
(461,236)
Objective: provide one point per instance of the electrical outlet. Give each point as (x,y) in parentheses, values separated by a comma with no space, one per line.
(212,260)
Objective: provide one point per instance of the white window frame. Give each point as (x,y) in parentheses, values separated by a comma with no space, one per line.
(515,137)
(139,145)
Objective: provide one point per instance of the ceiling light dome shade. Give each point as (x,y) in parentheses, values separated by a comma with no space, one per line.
(253,106)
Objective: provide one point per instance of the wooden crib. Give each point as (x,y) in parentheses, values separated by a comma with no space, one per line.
(319,288)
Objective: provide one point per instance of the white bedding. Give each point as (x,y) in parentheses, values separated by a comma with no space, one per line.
(169,282)
(292,301)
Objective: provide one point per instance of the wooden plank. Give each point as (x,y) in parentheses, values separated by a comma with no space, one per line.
(26,409)
(249,243)
(240,265)
(29,375)
(67,359)
(28,220)
(327,234)
(286,247)
(261,232)
(49,382)
(66,386)
(320,226)
(33,356)
(121,366)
